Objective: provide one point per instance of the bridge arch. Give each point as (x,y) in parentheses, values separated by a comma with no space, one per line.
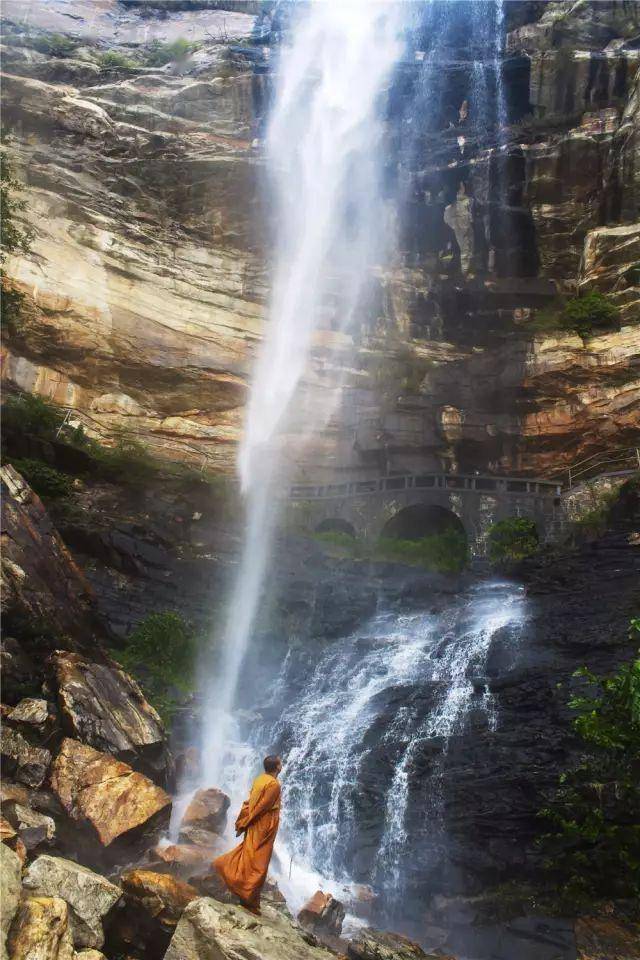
(421,520)
(336,525)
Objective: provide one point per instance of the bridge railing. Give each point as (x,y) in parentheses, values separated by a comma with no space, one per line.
(624,459)
(439,481)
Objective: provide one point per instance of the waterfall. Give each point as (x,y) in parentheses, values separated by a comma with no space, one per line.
(375,701)
(323,152)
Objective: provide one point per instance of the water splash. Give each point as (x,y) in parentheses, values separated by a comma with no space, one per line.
(323,152)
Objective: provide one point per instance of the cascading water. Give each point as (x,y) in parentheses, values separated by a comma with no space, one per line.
(354,732)
(324,157)
(356,728)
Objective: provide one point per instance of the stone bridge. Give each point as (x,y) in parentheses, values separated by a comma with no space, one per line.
(418,505)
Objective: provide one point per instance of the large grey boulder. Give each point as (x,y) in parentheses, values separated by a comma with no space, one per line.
(88,895)
(209,930)
(101,705)
(10,884)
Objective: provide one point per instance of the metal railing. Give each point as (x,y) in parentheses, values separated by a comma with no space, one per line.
(625,459)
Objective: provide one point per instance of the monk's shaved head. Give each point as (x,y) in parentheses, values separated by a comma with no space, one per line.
(272,764)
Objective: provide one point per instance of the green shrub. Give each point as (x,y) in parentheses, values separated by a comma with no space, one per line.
(127,461)
(27,413)
(163,648)
(512,539)
(113,60)
(593,846)
(13,237)
(159,54)
(588,313)
(446,552)
(54,45)
(47,482)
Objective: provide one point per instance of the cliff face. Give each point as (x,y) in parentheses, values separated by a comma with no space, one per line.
(146,286)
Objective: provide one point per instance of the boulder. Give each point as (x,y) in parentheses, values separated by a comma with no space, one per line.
(26,763)
(196,836)
(152,907)
(31,712)
(7,833)
(42,583)
(10,888)
(95,788)
(89,955)
(89,896)
(34,828)
(103,706)
(191,863)
(605,938)
(13,791)
(378,945)
(207,810)
(40,930)
(209,930)
(363,898)
(159,894)
(322,914)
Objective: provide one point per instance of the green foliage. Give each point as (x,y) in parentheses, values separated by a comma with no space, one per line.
(583,315)
(13,237)
(588,313)
(113,60)
(593,845)
(27,413)
(54,44)
(162,649)
(159,54)
(337,539)
(47,482)
(445,552)
(512,539)
(127,461)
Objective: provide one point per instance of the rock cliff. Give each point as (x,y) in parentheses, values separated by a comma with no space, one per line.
(147,282)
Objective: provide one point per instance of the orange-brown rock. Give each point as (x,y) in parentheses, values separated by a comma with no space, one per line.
(603,938)
(41,931)
(186,859)
(105,792)
(162,896)
(208,810)
(322,913)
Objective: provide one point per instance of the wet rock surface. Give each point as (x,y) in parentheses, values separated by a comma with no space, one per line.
(322,914)
(96,788)
(207,810)
(104,707)
(209,930)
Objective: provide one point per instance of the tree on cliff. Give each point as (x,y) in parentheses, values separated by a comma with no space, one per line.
(14,238)
(593,846)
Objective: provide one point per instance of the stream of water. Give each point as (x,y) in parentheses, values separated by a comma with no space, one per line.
(353,730)
(324,159)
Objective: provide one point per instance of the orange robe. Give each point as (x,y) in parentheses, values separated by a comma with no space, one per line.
(244,869)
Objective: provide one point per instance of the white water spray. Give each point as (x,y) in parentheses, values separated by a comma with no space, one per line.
(324,157)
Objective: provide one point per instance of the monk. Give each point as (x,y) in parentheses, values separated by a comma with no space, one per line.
(244,869)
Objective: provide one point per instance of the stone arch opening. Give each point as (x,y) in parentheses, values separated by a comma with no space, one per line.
(336,525)
(421,520)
